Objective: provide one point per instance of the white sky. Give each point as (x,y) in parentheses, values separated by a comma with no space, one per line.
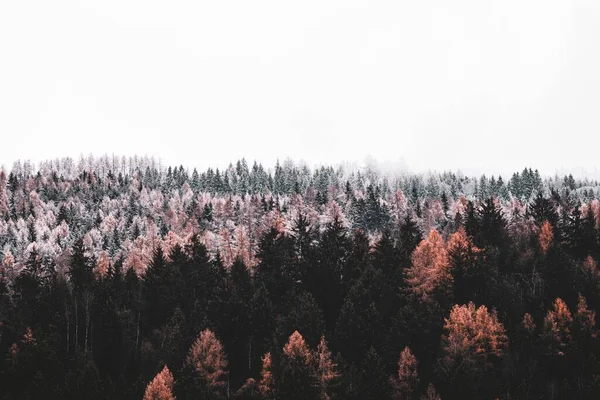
(484,86)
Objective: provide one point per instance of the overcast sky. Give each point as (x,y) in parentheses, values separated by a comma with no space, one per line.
(484,86)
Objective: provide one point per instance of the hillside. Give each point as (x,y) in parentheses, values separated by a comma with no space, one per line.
(122,278)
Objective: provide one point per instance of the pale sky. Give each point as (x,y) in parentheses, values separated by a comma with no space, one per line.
(481,86)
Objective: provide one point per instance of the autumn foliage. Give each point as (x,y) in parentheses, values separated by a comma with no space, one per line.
(584,322)
(266,385)
(473,337)
(546,236)
(407,380)
(460,246)
(431,393)
(326,368)
(557,328)
(161,387)
(120,267)
(298,371)
(430,269)
(207,358)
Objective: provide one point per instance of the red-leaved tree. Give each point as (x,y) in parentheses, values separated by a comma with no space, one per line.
(407,380)
(429,272)
(161,387)
(473,338)
(207,358)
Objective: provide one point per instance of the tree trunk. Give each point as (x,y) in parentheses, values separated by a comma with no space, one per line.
(137,333)
(88,298)
(68,326)
(250,354)
(76,326)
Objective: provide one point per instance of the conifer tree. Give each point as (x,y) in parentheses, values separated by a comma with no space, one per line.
(266,385)
(326,369)
(429,273)
(207,359)
(161,387)
(557,328)
(298,378)
(407,380)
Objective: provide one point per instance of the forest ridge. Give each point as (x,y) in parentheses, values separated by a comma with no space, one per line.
(120,278)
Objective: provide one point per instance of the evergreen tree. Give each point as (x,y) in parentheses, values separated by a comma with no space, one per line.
(298,377)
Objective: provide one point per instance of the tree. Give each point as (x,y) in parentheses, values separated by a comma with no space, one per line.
(409,238)
(262,322)
(585,335)
(492,224)
(546,236)
(326,369)
(266,385)
(473,342)
(304,314)
(331,267)
(584,322)
(298,378)
(557,328)
(429,275)
(274,270)
(542,210)
(464,258)
(207,358)
(161,387)
(3,196)
(373,380)
(240,348)
(248,391)
(160,287)
(80,267)
(359,322)
(82,278)
(431,393)
(474,335)
(407,381)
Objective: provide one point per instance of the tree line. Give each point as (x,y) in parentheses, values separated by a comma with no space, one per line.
(365,295)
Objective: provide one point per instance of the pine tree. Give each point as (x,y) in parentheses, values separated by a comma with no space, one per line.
(492,224)
(160,289)
(464,261)
(373,380)
(541,209)
(298,379)
(409,238)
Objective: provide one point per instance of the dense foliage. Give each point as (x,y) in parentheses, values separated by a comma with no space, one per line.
(122,279)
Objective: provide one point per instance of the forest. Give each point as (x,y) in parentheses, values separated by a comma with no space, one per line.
(121,278)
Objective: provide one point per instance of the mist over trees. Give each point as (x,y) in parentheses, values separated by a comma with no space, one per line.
(121,278)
